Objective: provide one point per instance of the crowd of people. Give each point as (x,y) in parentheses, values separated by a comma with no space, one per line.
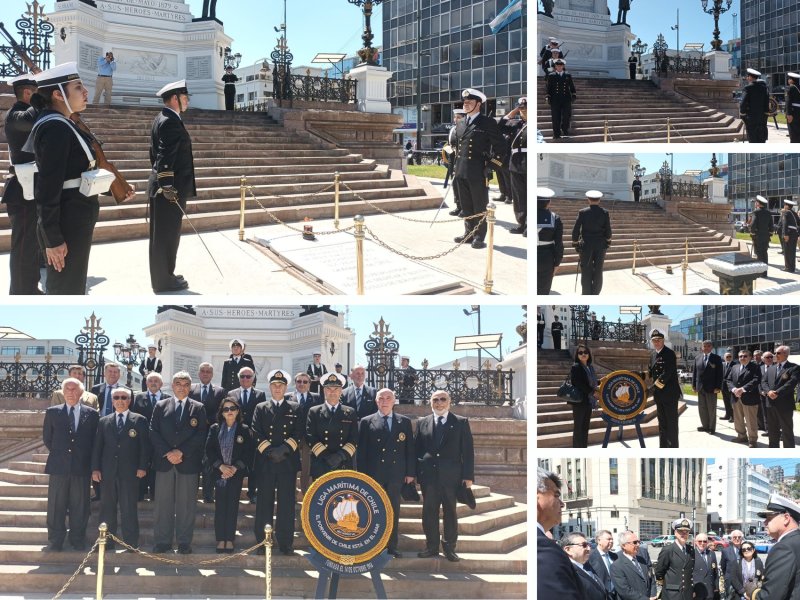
(684,570)
(156,444)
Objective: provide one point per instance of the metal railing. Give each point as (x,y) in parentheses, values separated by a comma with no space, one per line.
(585,328)
(31,379)
(316,89)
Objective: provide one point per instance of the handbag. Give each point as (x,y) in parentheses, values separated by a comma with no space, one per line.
(569,393)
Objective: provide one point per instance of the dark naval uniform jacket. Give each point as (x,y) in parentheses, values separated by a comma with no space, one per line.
(664,371)
(149,365)
(560,88)
(328,434)
(187,435)
(274,427)
(70,453)
(676,567)
(171,154)
(230,371)
(120,455)
(18,124)
(706,575)
(478,144)
(782,570)
(594,226)
(384,456)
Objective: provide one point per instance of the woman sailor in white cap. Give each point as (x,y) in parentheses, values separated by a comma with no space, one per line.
(793,106)
(754,107)
(788,231)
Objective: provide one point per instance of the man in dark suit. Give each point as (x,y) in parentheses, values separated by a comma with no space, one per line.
(601,559)
(170,185)
(577,549)
(331,430)
(120,459)
(231,367)
(316,370)
(386,453)
(781,571)
(730,558)
(666,390)
(705,578)
(151,364)
(68,433)
(358,396)
(781,380)
(111,374)
(248,398)
(743,382)
(178,434)
(675,565)
(277,429)
(481,148)
(631,575)
(305,400)
(445,461)
(143,404)
(210,396)
(727,365)
(707,382)
(562,580)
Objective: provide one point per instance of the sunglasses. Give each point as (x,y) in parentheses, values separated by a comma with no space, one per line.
(747,549)
(119,397)
(583,353)
(583,545)
(245,376)
(702,541)
(439,399)
(230,409)
(299,381)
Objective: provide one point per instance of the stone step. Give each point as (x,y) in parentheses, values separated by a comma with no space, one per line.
(727,135)
(289,583)
(279,152)
(625,261)
(198,147)
(234,173)
(121,159)
(559,412)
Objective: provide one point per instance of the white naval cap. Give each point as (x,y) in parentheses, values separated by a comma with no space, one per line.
(794,76)
(21,80)
(777,505)
(63,73)
(459,111)
(594,194)
(754,72)
(543,193)
(553,40)
(405,358)
(278,376)
(559,61)
(153,346)
(762,200)
(472,93)
(656,334)
(237,341)
(790,202)
(523,101)
(681,524)
(333,380)
(172,89)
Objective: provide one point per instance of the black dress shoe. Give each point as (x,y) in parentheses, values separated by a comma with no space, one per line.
(184,549)
(175,285)
(454,212)
(479,244)
(162,548)
(701,429)
(396,553)
(54,548)
(222,550)
(428,553)
(517,230)
(451,556)
(459,239)
(509,201)
(287,551)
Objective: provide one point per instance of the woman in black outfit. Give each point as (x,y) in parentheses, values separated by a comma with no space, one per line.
(229,450)
(583,378)
(747,573)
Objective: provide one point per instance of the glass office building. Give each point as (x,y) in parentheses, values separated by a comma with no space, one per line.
(774,176)
(457,51)
(769,38)
(753,327)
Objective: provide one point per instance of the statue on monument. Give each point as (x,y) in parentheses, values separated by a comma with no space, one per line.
(622,13)
(209,9)
(547,7)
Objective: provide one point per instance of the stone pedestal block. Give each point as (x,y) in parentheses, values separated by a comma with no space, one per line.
(371,91)
(720,65)
(737,273)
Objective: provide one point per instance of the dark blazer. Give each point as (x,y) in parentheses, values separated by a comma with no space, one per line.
(559,88)
(188,436)
(279,426)
(230,371)
(593,588)
(171,152)
(254,398)
(215,398)
(784,384)
(328,434)
(562,581)
(243,448)
(99,390)
(600,570)
(142,406)
(386,457)
(629,583)
(593,224)
(579,379)
(676,568)
(664,370)
(119,455)
(450,462)
(747,377)
(782,571)
(735,573)
(478,143)
(312,399)
(368,405)
(70,453)
(727,560)
(709,377)
(705,578)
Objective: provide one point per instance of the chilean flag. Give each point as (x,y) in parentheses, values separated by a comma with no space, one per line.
(508,15)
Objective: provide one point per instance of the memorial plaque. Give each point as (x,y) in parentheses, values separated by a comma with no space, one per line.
(198,67)
(167,10)
(149,64)
(185,362)
(88,55)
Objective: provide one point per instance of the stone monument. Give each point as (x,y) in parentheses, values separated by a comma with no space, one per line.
(154,42)
(594,46)
(277,337)
(660,321)
(571,175)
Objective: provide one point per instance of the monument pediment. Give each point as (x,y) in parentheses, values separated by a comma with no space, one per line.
(168,10)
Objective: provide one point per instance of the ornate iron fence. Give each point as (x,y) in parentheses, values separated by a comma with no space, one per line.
(586,327)
(685,190)
(31,379)
(320,89)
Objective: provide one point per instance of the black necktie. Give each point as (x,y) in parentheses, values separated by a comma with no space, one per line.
(440,431)
(179,411)
(204,396)
(358,399)
(638,567)
(120,424)
(244,399)
(72,419)
(109,405)
(386,424)
(152,400)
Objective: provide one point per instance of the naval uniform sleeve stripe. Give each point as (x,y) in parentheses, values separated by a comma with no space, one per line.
(292,443)
(263,446)
(318,448)
(163,174)
(349,448)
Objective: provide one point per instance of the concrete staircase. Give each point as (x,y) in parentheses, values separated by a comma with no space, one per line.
(637,111)
(285,168)
(492,545)
(660,237)
(554,420)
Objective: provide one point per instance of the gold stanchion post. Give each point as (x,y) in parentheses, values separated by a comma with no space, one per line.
(605,130)
(668,130)
(633,272)
(359,235)
(268,560)
(685,264)
(242,189)
(336,179)
(488,283)
(101,559)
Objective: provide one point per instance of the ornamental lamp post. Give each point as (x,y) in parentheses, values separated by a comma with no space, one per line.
(368,54)
(638,49)
(129,355)
(716,10)
(232,60)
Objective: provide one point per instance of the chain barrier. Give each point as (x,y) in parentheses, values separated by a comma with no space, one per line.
(295,229)
(696,272)
(78,571)
(431,257)
(641,252)
(172,561)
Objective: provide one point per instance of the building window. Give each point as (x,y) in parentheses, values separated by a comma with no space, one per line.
(34,350)
(57,350)
(477,47)
(9,350)
(613,476)
(615,514)
(649,529)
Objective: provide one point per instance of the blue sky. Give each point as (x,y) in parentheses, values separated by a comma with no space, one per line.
(676,312)
(682,162)
(312,25)
(423,331)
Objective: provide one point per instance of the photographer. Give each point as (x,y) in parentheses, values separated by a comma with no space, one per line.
(106,65)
